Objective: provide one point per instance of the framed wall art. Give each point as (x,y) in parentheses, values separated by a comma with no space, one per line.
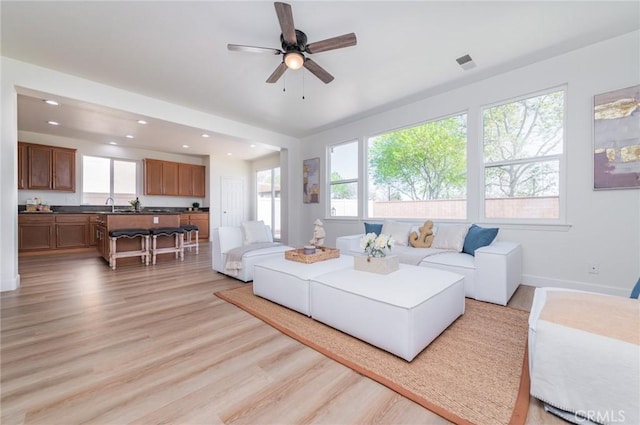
(616,139)
(311,181)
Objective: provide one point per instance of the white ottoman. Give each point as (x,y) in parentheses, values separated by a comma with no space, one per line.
(286,282)
(401,312)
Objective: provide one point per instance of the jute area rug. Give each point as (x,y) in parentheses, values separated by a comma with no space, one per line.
(475,372)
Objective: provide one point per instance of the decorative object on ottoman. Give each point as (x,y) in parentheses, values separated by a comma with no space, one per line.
(375,245)
(322,253)
(318,233)
(425,238)
(309,249)
(376,260)
(380,265)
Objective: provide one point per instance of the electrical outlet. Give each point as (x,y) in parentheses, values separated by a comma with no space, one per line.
(593,268)
(155,220)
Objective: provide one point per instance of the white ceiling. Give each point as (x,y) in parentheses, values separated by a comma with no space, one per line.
(177,52)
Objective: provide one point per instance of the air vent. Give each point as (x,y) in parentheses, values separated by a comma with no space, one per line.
(466,62)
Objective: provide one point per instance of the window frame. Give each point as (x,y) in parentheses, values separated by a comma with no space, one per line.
(468,192)
(357,181)
(111,175)
(273,197)
(561,158)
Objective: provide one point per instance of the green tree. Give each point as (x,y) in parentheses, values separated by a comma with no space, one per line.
(340,190)
(525,131)
(423,162)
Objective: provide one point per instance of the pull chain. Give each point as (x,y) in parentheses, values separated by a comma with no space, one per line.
(284,83)
(303,84)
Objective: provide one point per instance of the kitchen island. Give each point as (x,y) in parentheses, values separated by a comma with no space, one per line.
(134,220)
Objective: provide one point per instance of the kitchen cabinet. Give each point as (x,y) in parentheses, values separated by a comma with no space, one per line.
(199,182)
(35,232)
(72,231)
(42,167)
(170,178)
(22,166)
(174,179)
(153,177)
(93,230)
(200,219)
(185,179)
(48,231)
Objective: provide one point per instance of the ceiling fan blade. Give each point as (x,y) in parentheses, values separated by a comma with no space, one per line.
(252,49)
(275,76)
(285,17)
(318,71)
(333,43)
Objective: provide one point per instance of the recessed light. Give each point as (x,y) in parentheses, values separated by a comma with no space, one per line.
(252,146)
(143,122)
(53,122)
(205,135)
(185,146)
(51,102)
(229,154)
(129,136)
(112,143)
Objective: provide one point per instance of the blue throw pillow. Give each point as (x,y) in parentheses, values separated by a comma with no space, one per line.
(635,292)
(477,237)
(372,228)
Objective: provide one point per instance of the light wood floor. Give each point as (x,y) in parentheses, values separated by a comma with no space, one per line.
(146,345)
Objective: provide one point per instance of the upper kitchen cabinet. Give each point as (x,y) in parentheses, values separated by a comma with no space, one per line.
(43,167)
(173,179)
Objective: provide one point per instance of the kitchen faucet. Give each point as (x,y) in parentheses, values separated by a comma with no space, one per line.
(113,203)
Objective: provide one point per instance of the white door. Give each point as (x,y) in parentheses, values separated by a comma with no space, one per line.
(232,202)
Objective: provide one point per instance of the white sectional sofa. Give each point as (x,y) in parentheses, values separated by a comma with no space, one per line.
(492,275)
(226,239)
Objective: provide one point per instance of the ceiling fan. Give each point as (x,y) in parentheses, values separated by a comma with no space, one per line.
(294,47)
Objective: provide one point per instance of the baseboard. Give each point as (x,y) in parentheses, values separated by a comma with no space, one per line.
(10,284)
(542,281)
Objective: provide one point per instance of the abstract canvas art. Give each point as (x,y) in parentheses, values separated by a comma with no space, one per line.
(311,181)
(616,139)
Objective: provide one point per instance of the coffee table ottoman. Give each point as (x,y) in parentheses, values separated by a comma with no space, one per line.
(286,282)
(400,312)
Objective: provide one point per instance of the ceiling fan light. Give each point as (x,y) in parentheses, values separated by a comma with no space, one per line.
(294,60)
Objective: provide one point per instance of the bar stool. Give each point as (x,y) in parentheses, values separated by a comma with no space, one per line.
(189,242)
(178,247)
(143,253)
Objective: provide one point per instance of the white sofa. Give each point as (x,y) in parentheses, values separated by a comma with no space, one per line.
(226,238)
(492,275)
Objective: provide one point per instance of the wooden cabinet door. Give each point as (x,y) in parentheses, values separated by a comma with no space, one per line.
(64,169)
(72,231)
(199,183)
(152,177)
(72,235)
(202,221)
(93,230)
(185,179)
(170,178)
(35,232)
(22,166)
(40,167)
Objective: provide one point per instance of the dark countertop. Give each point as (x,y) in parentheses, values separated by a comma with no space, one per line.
(103,210)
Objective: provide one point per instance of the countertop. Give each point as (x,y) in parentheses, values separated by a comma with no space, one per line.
(106,212)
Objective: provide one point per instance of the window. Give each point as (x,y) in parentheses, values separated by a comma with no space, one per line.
(523,146)
(107,177)
(343,179)
(420,171)
(268,199)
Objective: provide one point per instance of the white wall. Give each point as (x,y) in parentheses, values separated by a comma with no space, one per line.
(119,152)
(20,74)
(603,226)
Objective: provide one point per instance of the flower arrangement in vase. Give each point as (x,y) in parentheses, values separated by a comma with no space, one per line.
(376,246)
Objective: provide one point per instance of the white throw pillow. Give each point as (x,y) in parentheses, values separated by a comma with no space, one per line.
(450,236)
(254,232)
(398,231)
